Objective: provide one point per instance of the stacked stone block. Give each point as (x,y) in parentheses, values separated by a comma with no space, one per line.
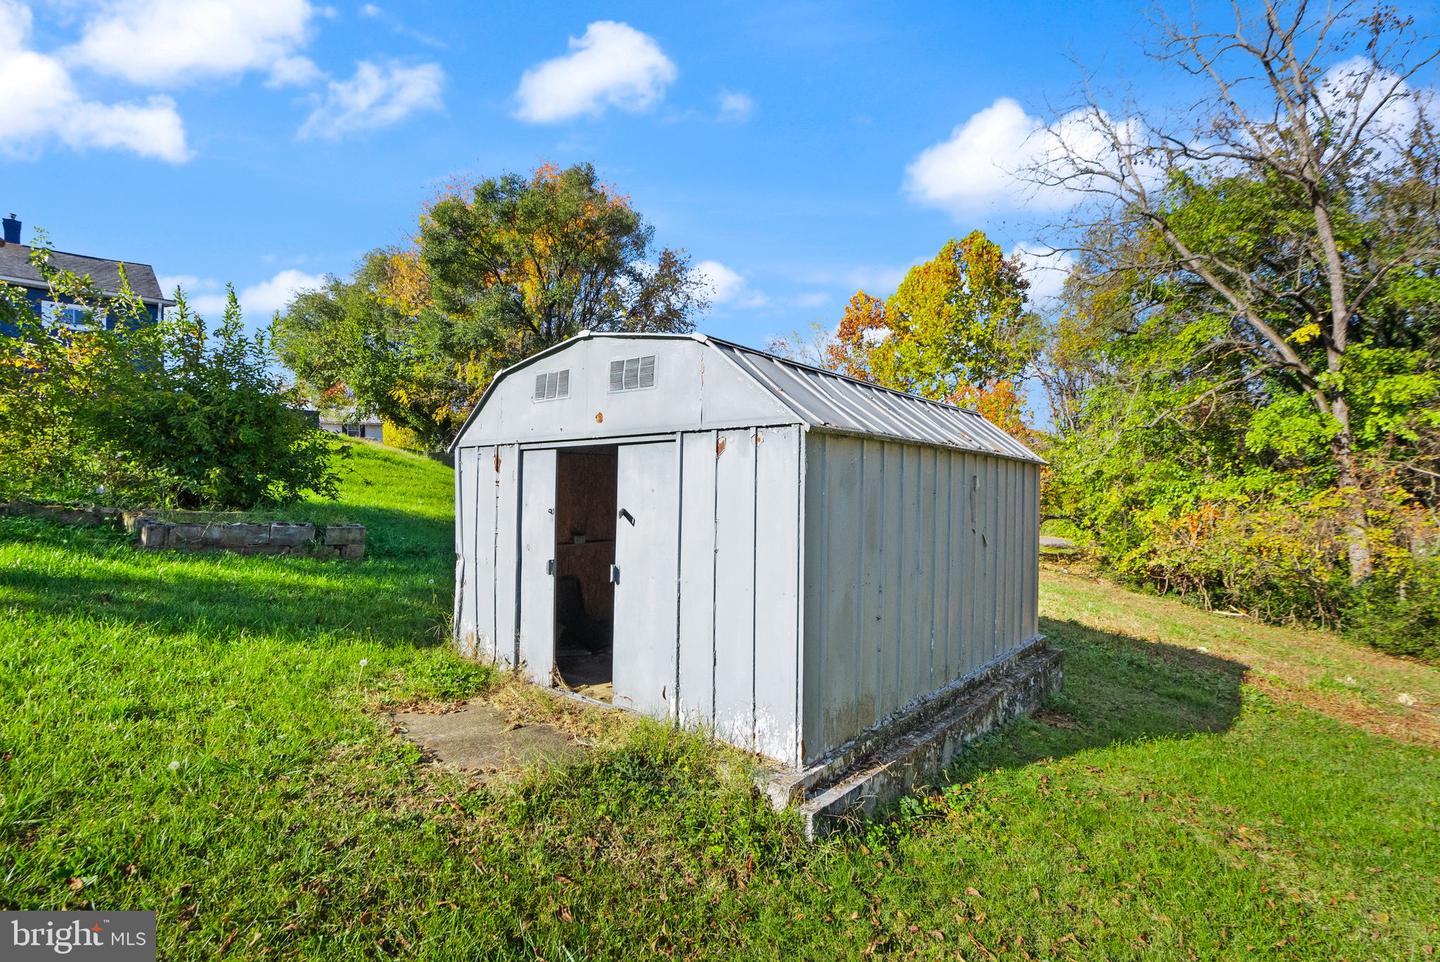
(203,531)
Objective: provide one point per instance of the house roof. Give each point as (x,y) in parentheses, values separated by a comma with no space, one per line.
(830,401)
(15,268)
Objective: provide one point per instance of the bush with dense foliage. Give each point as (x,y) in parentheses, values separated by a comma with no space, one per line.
(1400,612)
(148,413)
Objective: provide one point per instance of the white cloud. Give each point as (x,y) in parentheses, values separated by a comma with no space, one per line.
(982,164)
(258,301)
(1350,91)
(370,10)
(377,96)
(40,103)
(265,298)
(723,282)
(611,65)
(976,166)
(168,282)
(809,299)
(293,72)
(1046,271)
(735,107)
(728,286)
(164,43)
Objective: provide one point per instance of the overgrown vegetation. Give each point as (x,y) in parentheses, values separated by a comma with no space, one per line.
(1243,373)
(204,736)
(134,412)
(1254,318)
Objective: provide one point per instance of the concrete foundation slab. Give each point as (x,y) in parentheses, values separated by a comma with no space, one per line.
(480,739)
(893,758)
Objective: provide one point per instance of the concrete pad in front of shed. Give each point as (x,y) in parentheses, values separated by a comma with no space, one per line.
(480,739)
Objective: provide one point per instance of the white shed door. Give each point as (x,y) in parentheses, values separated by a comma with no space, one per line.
(537,554)
(646,546)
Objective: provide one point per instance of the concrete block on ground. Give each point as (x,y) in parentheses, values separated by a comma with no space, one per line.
(153,534)
(187,535)
(338,534)
(862,776)
(131,519)
(284,534)
(352,552)
(243,533)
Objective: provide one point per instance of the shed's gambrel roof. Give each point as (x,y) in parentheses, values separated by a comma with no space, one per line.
(835,402)
(828,401)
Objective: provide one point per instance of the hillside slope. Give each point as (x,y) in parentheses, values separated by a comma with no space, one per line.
(204,735)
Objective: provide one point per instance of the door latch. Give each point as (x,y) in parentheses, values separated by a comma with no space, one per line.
(550,567)
(614,574)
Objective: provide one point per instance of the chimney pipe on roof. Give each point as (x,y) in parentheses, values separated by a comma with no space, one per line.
(12,230)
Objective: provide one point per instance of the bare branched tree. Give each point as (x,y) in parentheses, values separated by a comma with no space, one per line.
(1329,109)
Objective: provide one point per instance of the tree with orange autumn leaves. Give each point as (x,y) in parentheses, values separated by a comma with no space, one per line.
(956,329)
(497,272)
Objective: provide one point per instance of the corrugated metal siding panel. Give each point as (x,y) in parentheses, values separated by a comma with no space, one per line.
(875,586)
(735,609)
(815,646)
(1032,554)
(697,580)
(739,645)
(466,577)
(537,550)
(829,400)
(483,582)
(917,573)
(507,544)
(645,650)
(777,561)
(848,697)
(463,625)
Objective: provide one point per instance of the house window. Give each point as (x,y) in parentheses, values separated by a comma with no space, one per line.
(75,317)
(552,385)
(632,373)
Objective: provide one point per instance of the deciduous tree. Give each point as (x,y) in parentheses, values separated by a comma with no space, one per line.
(1294,216)
(498,271)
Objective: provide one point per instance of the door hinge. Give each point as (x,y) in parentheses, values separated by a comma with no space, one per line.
(614,574)
(550,567)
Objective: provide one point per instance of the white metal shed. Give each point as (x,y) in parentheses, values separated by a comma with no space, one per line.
(704,532)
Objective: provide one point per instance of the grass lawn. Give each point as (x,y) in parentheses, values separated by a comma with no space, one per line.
(204,735)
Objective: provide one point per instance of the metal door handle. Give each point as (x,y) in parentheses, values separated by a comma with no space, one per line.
(614,574)
(628,517)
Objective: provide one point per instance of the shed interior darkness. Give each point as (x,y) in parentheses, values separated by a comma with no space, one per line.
(585,511)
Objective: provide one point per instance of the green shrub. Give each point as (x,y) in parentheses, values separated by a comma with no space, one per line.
(148,414)
(1399,612)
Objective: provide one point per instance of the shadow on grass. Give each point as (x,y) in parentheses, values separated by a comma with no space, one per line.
(400,594)
(1117,689)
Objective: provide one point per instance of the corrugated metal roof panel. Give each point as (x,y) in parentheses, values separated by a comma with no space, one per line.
(832,401)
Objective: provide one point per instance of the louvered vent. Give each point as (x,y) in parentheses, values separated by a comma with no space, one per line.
(552,385)
(632,373)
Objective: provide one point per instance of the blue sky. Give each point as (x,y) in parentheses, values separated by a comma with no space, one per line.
(798,150)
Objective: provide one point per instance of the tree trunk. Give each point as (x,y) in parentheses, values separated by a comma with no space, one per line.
(1357,547)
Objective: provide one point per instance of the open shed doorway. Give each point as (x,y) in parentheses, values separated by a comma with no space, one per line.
(585,480)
